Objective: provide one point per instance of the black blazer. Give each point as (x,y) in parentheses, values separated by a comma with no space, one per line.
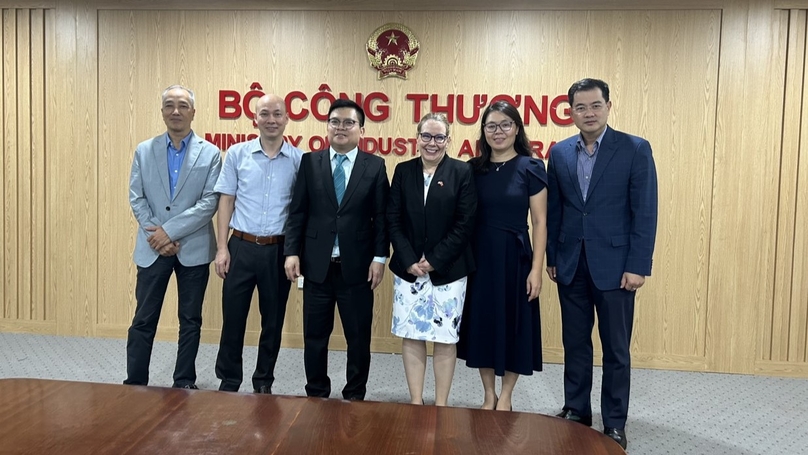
(440,230)
(315,219)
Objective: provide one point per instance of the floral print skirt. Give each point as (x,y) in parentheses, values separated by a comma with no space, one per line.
(422,311)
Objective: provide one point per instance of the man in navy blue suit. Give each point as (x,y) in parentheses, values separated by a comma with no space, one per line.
(601,228)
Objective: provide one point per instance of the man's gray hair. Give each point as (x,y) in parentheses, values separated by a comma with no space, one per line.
(170,88)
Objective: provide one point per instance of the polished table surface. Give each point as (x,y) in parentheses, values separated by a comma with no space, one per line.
(42,417)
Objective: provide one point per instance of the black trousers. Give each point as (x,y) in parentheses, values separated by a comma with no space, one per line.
(150,290)
(615,309)
(252,266)
(355,304)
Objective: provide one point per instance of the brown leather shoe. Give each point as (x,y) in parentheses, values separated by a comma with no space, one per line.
(569,414)
(618,435)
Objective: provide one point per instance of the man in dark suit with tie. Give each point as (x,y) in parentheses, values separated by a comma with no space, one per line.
(336,238)
(601,228)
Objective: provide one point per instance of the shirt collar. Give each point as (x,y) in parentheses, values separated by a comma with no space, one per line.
(258,148)
(183,142)
(351,155)
(582,146)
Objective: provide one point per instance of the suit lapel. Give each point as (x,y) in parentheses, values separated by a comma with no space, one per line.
(191,155)
(159,154)
(571,155)
(356,175)
(605,154)
(325,170)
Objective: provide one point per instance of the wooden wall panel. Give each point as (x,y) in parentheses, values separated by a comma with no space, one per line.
(72,193)
(4,288)
(39,306)
(10,144)
(22,180)
(797,329)
(534,53)
(784,324)
(773,331)
(708,85)
(666,88)
(24,219)
(748,137)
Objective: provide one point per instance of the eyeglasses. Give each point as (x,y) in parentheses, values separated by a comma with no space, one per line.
(582,109)
(492,127)
(439,138)
(345,124)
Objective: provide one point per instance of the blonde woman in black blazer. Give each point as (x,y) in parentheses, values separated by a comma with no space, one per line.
(430,217)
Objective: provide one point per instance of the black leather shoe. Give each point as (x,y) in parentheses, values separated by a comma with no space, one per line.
(569,414)
(264,389)
(618,435)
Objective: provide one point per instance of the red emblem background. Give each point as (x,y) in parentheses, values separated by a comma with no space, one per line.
(392,50)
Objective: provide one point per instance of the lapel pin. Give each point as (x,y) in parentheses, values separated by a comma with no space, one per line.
(440,182)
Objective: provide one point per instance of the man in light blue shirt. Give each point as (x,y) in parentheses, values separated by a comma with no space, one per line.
(255,189)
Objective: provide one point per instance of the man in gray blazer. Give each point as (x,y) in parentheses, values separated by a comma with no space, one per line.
(172,197)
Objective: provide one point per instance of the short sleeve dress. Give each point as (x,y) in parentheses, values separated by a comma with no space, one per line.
(501,328)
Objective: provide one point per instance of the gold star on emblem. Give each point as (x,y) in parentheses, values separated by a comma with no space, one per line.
(392,39)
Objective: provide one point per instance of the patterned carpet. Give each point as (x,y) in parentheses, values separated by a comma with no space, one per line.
(671,412)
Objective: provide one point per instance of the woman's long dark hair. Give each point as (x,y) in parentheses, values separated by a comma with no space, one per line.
(482,163)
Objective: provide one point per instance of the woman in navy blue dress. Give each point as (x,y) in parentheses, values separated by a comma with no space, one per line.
(501,331)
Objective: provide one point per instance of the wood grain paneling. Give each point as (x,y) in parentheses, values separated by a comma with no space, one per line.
(22,251)
(409,5)
(40,308)
(773,331)
(10,181)
(527,53)
(746,162)
(717,87)
(4,290)
(797,328)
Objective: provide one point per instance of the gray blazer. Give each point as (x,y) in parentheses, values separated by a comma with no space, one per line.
(187,218)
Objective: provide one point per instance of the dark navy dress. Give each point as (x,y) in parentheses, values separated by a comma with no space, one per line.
(501,329)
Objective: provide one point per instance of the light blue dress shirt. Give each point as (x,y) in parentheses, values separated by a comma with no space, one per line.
(175,159)
(261,185)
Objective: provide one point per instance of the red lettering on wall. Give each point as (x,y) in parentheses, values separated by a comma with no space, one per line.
(538,147)
(290,99)
(293,141)
(478,102)
(374,108)
(539,111)
(559,101)
(466,149)
(229,104)
(317,143)
(447,109)
(323,95)
(215,139)
(417,99)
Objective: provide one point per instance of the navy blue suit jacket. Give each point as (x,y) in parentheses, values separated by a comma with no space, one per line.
(617,222)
